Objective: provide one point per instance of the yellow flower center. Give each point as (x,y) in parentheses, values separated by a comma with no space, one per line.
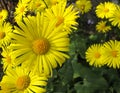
(60,21)
(2,35)
(82,7)
(38,4)
(53,2)
(106,10)
(97,55)
(8,59)
(41,46)
(114,53)
(1,16)
(22,82)
(22,9)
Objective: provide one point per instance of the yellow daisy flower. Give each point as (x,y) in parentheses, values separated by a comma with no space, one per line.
(105,10)
(102,27)
(64,15)
(45,45)
(6,58)
(20,11)
(111,53)
(37,6)
(51,3)
(94,55)
(19,80)
(3,15)
(83,6)
(5,33)
(115,19)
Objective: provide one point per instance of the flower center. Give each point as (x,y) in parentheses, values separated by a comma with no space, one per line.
(38,4)
(97,55)
(8,59)
(2,35)
(106,10)
(114,53)
(82,7)
(53,2)
(22,9)
(60,21)
(23,82)
(1,16)
(41,46)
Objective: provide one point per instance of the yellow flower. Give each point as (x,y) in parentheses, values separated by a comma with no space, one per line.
(94,55)
(20,80)
(5,33)
(51,3)
(36,6)
(3,15)
(64,15)
(111,53)
(6,58)
(102,27)
(105,10)
(20,11)
(38,39)
(83,6)
(115,19)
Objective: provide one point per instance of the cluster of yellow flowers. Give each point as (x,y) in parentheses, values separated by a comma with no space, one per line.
(37,43)
(109,13)
(108,53)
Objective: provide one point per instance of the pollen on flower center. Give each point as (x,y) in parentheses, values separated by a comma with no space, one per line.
(114,53)
(22,9)
(1,16)
(106,10)
(2,35)
(97,55)
(38,4)
(41,46)
(22,82)
(8,59)
(53,2)
(82,7)
(60,21)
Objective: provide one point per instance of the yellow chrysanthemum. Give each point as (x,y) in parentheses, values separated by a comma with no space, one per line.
(83,6)
(20,11)
(45,45)
(6,58)
(37,6)
(94,55)
(115,19)
(3,15)
(19,80)
(105,10)
(111,53)
(51,3)
(5,33)
(64,15)
(102,27)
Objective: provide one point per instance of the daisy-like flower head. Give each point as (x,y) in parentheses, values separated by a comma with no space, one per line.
(3,15)
(115,19)
(64,15)
(94,55)
(105,10)
(51,3)
(6,58)
(20,11)
(83,6)
(5,33)
(42,42)
(20,80)
(103,27)
(37,6)
(111,53)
